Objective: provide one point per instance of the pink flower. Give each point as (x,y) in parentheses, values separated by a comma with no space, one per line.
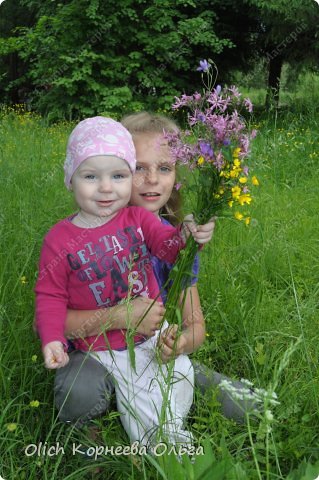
(248,105)
(216,101)
(244,146)
(182,101)
(234,91)
(219,161)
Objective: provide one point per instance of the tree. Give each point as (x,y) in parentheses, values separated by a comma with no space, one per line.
(88,56)
(288,33)
(12,69)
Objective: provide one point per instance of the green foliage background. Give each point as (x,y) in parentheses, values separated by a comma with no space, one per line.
(77,58)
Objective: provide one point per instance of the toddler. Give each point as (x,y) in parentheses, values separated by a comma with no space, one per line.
(98,257)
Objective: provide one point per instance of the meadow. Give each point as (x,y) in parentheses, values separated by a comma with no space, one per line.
(259,288)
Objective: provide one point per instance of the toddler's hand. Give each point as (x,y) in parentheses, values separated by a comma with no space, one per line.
(54,355)
(171,343)
(202,233)
(147,323)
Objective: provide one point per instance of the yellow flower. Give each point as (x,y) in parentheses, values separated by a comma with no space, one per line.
(247,221)
(230,203)
(234,173)
(236,192)
(245,198)
(221,191)
(238,216)
(255,181)
(236,163)
(23,280)
(11,427)
(200,161)
(34,358)
(34,403)
(236,152)
(243,180)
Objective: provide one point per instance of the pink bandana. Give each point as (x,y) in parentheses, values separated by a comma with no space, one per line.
(98,136)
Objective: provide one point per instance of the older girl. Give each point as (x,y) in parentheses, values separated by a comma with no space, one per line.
(96,258)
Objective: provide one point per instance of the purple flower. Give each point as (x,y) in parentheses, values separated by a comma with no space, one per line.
(218,89)
(177,186)
(201,117)
(198,116)
(206,149)
(203,66)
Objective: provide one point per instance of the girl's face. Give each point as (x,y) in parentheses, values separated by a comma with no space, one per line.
(102,185)
(154,179)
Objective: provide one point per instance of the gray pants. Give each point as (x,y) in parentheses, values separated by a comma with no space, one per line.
(83,390)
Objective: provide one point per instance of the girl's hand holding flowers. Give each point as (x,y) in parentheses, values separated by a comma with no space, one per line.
(201,233)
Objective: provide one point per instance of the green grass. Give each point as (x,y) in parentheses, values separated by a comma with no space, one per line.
(259,288)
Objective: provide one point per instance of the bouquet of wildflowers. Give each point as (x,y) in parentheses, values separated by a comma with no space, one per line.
(213,148)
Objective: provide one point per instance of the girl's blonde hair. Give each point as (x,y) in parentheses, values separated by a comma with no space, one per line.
(144,123)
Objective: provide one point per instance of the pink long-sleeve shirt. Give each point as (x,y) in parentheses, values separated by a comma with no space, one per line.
(91,268)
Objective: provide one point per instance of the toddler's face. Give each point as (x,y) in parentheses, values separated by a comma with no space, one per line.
(154,179)
(102,185)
